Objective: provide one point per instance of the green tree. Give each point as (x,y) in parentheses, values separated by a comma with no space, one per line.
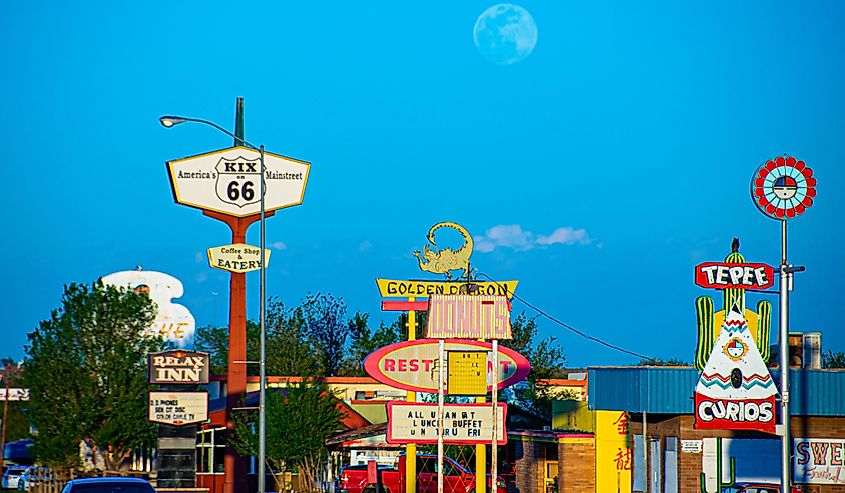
(17,423)
(290,350)
(662,362)
(86,368)
(325,324)
(832,359)
(363,341)
(215,341)
(299,418)
(547,361)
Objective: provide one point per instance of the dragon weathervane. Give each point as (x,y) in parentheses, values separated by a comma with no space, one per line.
(446,260)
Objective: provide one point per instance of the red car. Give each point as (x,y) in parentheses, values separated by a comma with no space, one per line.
(456,478)
(757,488)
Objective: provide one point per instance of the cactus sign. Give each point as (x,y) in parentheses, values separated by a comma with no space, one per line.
(735,390)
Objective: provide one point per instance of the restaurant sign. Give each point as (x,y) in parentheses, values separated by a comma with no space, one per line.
(413,365)
(467,316)
(238,257)
(416,422)
(389,288)
(178,408)
(178,367)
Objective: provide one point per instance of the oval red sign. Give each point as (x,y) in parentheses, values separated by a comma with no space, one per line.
(412,365)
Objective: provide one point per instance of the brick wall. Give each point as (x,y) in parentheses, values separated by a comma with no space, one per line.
(690,464)
(527,462)
(577,465)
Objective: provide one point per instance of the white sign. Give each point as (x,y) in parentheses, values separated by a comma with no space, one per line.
(227,181)
(14,394)
(178,408)
(692,446)
(416,422)
(237,257)
(818,460)
(173,322)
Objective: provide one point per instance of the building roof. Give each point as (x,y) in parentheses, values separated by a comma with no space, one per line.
(669,390)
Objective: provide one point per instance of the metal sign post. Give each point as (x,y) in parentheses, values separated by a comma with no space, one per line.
(222,185)
(440,408)
(783,188)
(494,447)
(784,362)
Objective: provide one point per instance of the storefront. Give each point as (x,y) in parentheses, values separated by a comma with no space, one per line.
(672,456)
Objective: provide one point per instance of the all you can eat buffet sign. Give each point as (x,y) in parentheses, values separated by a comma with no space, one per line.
(416,422)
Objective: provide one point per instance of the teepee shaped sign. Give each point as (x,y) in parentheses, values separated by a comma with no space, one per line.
(735,390)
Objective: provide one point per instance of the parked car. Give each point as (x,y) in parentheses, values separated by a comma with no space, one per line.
(33,476)
(11,476)
(108,485)
(757,488)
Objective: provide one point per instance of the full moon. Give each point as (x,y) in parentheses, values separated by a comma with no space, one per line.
(505,34)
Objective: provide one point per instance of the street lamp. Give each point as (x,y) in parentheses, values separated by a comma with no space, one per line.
(170,121)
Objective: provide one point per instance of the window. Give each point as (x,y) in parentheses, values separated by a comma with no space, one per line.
(211,449)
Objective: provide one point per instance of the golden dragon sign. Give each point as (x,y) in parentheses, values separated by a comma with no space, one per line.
(445,260)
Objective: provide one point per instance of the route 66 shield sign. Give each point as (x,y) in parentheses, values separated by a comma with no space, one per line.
(237,180)
(227,181)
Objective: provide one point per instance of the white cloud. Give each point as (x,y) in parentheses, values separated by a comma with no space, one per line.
(565,236)
(507,235)
(278,245)
(514,237)
(365,246)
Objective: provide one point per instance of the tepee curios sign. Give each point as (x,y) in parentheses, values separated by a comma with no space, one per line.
(735,390)
(227,181)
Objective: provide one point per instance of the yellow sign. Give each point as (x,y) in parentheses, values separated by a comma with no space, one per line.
(467,373)
(446,259)
(467,316)
(423,289)
(237,257)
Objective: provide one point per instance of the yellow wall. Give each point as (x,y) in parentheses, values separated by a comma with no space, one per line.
(614,450)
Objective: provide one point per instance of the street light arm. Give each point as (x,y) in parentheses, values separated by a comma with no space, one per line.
(169,121)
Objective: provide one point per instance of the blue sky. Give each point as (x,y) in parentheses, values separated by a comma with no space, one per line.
(639,123)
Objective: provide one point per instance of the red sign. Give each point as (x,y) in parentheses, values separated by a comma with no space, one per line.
(721,275)
(372,472)
(412,365)
(734,414)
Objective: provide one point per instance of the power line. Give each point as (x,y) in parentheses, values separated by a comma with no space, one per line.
(565,325)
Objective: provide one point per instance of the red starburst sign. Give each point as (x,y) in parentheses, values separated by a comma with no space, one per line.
(783,187)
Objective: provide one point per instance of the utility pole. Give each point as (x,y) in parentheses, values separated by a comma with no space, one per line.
(5,415)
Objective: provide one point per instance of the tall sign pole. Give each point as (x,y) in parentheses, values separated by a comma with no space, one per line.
(782,189)
(7,377)
(441,376)
(784,363)
(411,448)
(494,442)
(223,185)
